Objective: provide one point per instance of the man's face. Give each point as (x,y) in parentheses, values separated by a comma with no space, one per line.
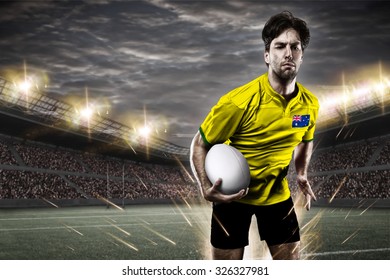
(285,55)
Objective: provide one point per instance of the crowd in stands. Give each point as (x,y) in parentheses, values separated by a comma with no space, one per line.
(92,175)
(5,154)
(132,189)
(343,157)
(384,156)
(36,171)
(373,184)
(47,158)
(359,185)
(22,184)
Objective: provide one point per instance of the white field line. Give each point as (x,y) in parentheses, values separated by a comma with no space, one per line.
(94,216)
(346,252)
(139,214)
(91,226)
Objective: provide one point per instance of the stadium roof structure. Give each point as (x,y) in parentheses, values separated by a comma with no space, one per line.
(37,108)
(344,105)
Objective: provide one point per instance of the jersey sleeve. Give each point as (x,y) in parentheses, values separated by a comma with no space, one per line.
(221,122)
(309,135)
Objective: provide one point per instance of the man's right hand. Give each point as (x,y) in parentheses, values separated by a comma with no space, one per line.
(213,194)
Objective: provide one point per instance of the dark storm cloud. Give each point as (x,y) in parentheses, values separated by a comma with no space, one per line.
(176,58)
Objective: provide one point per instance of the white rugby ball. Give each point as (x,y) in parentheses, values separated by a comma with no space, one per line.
(229,164)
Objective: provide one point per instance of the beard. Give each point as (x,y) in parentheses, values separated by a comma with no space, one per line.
(285,76)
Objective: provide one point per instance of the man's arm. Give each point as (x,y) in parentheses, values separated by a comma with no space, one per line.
(209,191)
(302,156)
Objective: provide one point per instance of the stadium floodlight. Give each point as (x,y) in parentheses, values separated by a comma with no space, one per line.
(25,86)
(338,104)
(380,87)
(25,93)
(145,131)
(86,113)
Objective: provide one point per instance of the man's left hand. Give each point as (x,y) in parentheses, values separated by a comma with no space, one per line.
(305,187)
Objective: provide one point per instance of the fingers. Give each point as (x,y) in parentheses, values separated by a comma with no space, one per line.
(217,183)
(307,192)
(308,202)
(238,195)
(214,194)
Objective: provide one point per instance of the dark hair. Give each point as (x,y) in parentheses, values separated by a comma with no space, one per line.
(279,23)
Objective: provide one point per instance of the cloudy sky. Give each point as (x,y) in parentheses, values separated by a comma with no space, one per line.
(174,59)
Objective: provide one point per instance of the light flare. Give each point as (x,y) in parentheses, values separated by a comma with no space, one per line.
(338,102)
(73,229)
(310,232)
(221,225)
(143,221)
(159,234)
(351,236)
(131,246)
(151,241)
(119,228)
(98,196)
(184,169)
(185,201)
(182,213)
(70,248)
(86,113)
(349,212)
(369,206)
(25,86)
(142,182)
(49,202)
(145,131)
(338,188)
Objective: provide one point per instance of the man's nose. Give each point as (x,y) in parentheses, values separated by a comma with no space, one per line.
(288,54)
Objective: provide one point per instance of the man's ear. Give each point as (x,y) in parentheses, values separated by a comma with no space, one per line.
(266,57)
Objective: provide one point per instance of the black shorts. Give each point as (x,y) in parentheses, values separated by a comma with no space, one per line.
(230,224)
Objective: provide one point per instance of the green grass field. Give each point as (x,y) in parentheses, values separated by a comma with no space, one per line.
(164,232)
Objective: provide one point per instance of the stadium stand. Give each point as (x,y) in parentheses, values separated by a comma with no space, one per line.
(353,170)
(21,184)
(50,172)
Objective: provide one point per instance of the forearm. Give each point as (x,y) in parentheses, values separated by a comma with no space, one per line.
(302,156)
(198,154)
(209,191)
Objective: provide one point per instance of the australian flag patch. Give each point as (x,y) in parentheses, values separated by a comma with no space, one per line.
(300,120)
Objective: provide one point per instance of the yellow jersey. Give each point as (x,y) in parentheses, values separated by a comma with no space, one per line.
(265,128)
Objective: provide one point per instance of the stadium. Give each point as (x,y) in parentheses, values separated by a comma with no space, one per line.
(77,185)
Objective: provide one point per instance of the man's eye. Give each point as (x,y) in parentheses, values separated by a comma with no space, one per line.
(296,48)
